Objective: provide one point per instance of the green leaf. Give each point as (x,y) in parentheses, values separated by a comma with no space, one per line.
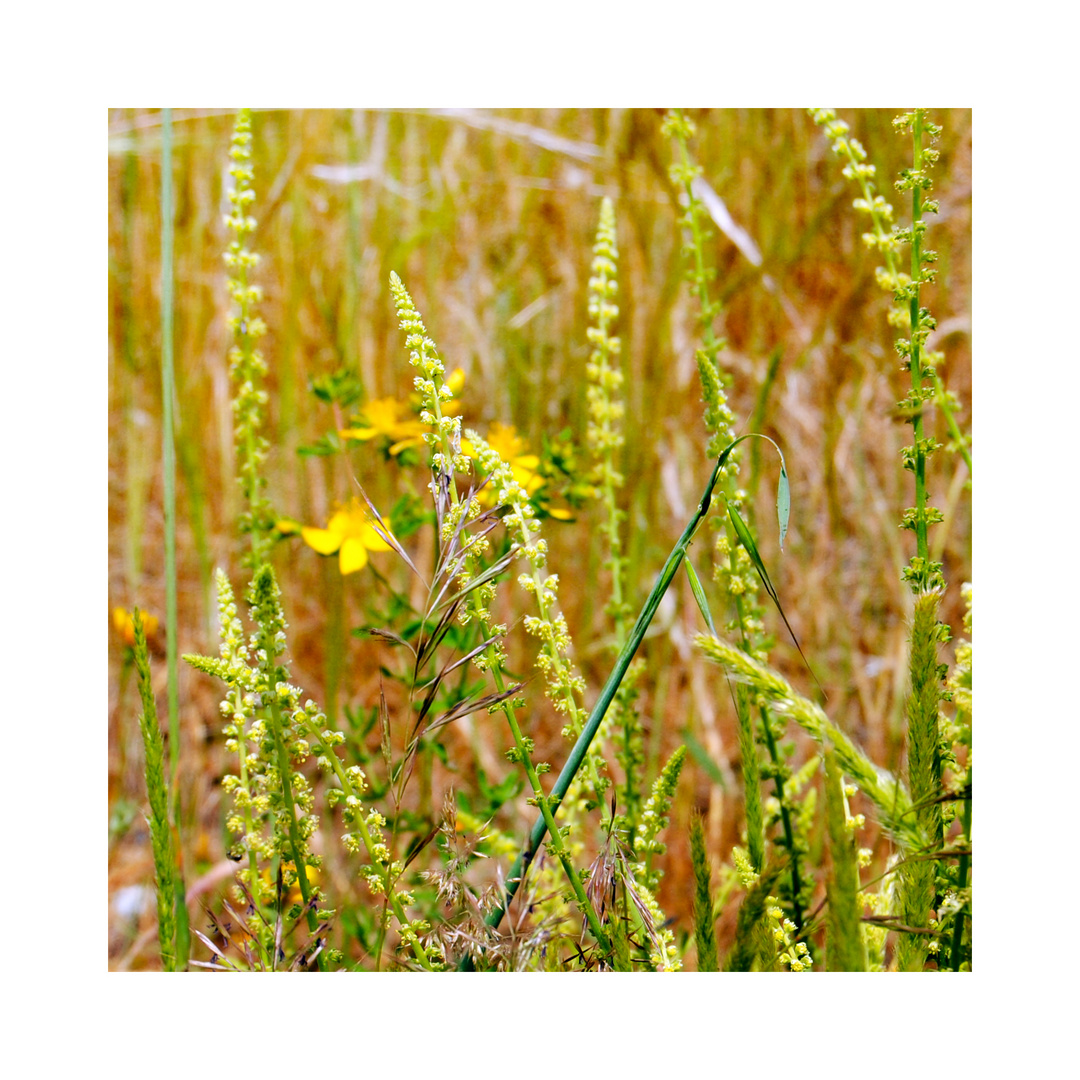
(747,541)
(783,503)
(699,594)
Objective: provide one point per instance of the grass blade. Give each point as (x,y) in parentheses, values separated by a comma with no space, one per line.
(783,502)
(747,541)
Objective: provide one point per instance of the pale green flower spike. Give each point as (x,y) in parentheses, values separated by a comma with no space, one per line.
(269,730)
(565,686)
(246,364)
(606,409)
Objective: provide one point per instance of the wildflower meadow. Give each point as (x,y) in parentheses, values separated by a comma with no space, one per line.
(540,540)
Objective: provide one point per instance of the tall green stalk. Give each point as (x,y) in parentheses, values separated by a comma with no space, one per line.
(168,395)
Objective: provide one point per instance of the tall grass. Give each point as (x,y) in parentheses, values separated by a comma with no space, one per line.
(426,510)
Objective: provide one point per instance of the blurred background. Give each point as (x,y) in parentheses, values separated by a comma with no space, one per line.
(489,218)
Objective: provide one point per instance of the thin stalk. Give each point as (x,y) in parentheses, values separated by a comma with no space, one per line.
(168,440)
(717,416)
(168,391)
(916,344)
(547,812)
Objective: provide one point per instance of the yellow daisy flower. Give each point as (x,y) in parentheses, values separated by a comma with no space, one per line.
(390,417)
(349,532)
(382,416)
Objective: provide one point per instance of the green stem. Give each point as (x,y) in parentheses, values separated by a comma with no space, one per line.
(285,770)
(581,747)
(547,815)
(916,343)
(168,442)
(347,786)
(168,390)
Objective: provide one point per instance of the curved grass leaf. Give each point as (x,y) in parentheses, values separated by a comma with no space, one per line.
(783,502)
(747,541)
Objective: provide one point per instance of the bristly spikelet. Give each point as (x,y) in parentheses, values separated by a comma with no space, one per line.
(924,776)
(157,792)
(246,364)
(885,791)
(845,950)
(704,927)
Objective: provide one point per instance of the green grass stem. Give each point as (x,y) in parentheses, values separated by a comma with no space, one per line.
(168,396)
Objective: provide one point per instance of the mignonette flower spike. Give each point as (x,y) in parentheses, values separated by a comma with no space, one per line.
(246,364)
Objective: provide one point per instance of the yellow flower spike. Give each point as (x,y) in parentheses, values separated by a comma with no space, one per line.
(350,533)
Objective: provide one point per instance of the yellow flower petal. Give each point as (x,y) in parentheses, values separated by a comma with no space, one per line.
(323,541)
(505,439)
(562,515)
(353,556)
(359,434)
(456,381)
(399,446)
(372,540)
(287,527)
(345,522)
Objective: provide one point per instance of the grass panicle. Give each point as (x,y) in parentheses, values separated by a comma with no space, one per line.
(886,792)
